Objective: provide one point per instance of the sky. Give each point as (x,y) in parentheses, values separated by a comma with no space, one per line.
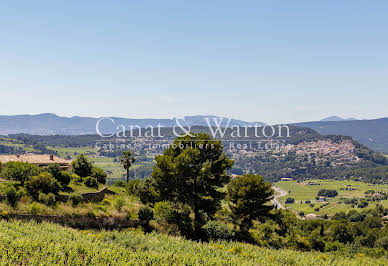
(270,61)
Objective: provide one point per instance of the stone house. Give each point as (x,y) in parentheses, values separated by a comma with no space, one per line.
(41,160)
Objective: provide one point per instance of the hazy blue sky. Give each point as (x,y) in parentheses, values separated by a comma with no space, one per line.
(271,61)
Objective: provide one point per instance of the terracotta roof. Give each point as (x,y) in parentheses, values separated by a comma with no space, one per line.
(34,159)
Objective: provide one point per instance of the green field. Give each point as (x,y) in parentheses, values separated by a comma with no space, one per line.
(16,144)
(112,168)
(303,191)
(72,152)
(23,243)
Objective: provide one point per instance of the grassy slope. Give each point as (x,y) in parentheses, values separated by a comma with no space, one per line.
(16,144)
(24,243)
(302,191)
(62,152)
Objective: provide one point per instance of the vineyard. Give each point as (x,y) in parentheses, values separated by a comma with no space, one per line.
(32,243)
(305,195)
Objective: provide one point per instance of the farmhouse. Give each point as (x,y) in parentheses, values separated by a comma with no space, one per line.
(321,199)
(41,160)
(311,216)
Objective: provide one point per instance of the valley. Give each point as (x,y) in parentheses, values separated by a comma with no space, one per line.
(307,200)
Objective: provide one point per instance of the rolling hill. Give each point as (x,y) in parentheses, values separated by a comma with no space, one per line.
(51,124)
(303,155)
(371,133)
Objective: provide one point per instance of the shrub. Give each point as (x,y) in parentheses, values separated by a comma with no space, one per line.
(298,242)
(333,246)
(44,183)
(22,192)
(133,186)
(19,171)
(99,174)
(164,211)
(64,178)
(354,216)
(145,214)
(147,192)
(308,201)
(382,243)
(48,199)
(301,214)
(82,166)
(362,204)
(290,200)
(119,203)
(91,182)
(342,233)
(120,183)
(12,197)
(54,169)
(328,193)
(317,242)
(35,208)
(77,179)
(217,231)
(75,199)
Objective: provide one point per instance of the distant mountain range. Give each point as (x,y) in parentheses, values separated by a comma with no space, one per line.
(51,124)
(336,119)
(372,133)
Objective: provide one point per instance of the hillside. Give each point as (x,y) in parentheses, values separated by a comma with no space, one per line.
(24,243)
(371,133)
(303,155)
(51,124)
(323,157)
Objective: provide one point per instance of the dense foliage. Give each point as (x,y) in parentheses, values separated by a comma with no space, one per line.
(248,196)
(190,172)
(42,183)
(328,193)
(62,177)
(82,166)
(19,171)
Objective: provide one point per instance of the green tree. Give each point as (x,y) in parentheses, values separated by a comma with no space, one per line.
(248,196)
(54,170)
(191,171)
(342,232)
(19,171)
(42,183)
(99,174)
(127,160)
(62,177)
(82,166)
(91,182)
(11,196)
(75,199)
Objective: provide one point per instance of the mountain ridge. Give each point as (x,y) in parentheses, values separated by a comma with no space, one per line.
(52,124)
(336,119)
